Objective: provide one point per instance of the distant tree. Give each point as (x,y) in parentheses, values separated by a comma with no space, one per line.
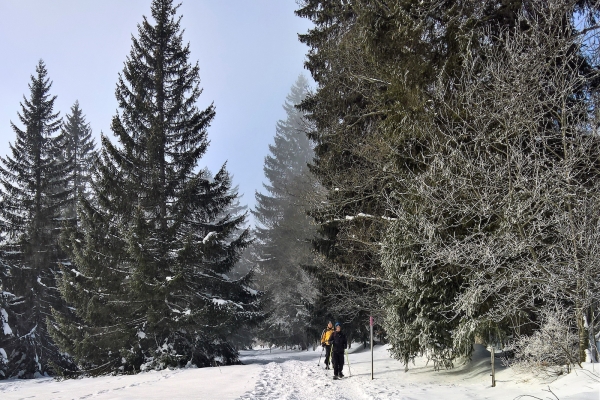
(235,208)
(154,245)
(79,150)
(33,193)
(284,229)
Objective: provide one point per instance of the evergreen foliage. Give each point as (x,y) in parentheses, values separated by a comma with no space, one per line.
(33,193)
(284,229)
(77,148)
(154,247)
(346,155)
(373,63)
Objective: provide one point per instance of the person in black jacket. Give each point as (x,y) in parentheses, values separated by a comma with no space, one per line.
(340,344)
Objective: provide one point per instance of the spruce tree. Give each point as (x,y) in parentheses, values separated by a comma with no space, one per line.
(78,149)
(284,229)
(33,192)
(154,249)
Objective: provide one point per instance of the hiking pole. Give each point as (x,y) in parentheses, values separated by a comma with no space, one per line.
(332,358)
(348,361)
(322,348)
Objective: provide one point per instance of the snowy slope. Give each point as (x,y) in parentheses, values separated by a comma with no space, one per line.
(294,375)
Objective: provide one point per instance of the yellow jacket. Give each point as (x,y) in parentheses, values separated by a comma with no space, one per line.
(326,338)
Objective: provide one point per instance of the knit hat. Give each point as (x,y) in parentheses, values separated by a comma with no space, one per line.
(337,324)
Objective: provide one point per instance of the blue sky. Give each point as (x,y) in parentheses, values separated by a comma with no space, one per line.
(248,52)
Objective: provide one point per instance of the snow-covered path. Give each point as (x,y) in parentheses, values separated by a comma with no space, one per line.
(294,375)
(302,380)
(296,380)
(287,375)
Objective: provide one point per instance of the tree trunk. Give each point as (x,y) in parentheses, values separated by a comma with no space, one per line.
(592,335)
(583,335)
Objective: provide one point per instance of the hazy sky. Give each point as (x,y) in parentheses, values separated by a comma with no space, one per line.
(248,52)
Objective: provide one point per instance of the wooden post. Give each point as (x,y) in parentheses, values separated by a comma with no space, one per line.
(593,347)
(371,326)
(493,368)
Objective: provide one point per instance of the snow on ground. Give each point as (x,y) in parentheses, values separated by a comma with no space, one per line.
(203,383)
(294,375)
(299,378)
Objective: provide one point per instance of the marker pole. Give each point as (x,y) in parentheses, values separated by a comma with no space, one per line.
(371,327)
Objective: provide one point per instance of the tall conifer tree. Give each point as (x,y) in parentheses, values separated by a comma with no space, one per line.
(33,193)
(154,249)
(285,230)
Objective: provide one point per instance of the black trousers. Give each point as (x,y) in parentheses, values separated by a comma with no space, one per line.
(327,354)
(338,362)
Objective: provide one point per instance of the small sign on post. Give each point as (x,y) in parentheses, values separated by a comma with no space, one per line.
(371,323)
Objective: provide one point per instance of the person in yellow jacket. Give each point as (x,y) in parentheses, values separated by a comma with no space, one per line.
(326,342)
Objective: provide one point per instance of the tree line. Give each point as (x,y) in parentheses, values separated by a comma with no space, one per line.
(117,259)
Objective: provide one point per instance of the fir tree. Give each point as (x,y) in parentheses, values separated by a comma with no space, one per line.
(285,230)
(33,193)
(154,249)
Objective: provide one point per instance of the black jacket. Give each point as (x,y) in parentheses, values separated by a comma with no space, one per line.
(339,342)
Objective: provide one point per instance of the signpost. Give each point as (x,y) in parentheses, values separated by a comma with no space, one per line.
(371,326)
